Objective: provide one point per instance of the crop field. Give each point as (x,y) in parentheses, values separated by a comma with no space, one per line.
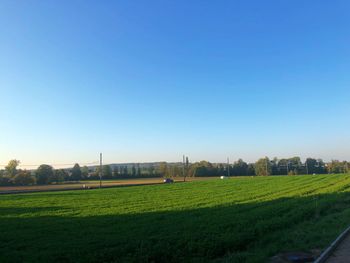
(235,220)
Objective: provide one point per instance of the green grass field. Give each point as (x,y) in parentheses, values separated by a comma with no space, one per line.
(235,220)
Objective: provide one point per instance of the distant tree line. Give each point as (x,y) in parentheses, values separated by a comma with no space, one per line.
(265,166)
(46,174)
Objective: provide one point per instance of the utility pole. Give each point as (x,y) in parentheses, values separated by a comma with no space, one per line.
(228,167)
(100,170)
(287,167)
(307,168)
(187,167)
(183,167)
(266,166)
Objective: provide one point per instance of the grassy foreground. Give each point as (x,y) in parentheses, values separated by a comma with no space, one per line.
(235,220)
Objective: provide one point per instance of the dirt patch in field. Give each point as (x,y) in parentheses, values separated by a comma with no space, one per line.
(89,185)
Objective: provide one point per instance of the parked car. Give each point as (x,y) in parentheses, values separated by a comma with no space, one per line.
(168,181)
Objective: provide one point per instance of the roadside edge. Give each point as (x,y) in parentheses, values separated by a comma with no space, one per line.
(331,248)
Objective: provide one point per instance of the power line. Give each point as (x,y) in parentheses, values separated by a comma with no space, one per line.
(53,164)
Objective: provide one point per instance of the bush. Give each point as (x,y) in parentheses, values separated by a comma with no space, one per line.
(24,178)
(5,181)
(94,176)
(293,172)
(58,176)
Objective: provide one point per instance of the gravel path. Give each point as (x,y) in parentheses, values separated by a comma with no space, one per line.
(91,184)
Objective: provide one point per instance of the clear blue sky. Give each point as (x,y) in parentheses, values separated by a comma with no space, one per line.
(152,80)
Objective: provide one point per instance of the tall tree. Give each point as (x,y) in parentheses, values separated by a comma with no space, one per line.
(221,170)
(337,167)
(125,171)
(163,169)
(133,170)
(283,166)
(85,172)
(61,175)
(106,172)
(240,168)
(11,168)
(115,171)
(138,170)
(274,166)
(76,173)
(263,167)
(121,170)
(177,170)
(321,167)
(310,165)
(151,170)
(202,168)
(251,169)
(295,165)
(44,174)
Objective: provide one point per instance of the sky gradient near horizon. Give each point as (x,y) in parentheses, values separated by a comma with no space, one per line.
(152,80)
